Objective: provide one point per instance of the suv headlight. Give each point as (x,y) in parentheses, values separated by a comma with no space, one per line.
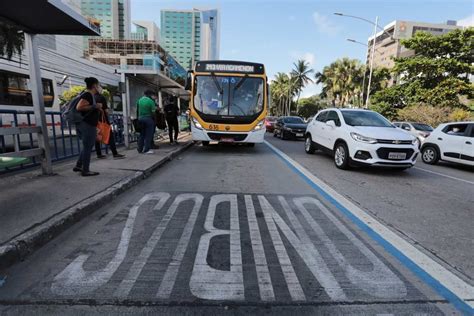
(196,123)
(259,125)
(415,141)
(363,139)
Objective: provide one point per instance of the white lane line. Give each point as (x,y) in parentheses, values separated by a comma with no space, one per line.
(263,274)
(169,279)
(444,175)
(449,280)
(294,286)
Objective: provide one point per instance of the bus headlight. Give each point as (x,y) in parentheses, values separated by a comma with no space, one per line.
(196,123)
(259,126)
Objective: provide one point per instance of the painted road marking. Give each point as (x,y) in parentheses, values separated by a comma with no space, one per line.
(446,283)
(167,285)
(207,282)
(306,265)
(75,280)
(261,265)
(444,175)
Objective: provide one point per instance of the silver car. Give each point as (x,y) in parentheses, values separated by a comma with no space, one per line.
(419,130)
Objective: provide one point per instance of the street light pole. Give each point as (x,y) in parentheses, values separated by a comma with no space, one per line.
(371,62)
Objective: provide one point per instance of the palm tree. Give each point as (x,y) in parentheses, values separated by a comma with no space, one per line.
(11,40)
(300,73)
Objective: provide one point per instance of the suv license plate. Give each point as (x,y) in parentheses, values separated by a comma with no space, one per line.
(299,134)
(398,156)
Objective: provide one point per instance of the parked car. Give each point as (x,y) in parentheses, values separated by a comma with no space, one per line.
(290,127)
(419,130)
(270,123)
(451,142)
(360,137)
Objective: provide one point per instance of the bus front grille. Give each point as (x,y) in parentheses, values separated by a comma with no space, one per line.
(234,136)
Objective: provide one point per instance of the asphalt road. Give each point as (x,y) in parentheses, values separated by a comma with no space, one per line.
(237,230)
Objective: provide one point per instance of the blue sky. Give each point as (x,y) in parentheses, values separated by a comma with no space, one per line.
(278,32)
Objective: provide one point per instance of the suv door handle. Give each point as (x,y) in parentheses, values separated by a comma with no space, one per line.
(469,143)
(439,138)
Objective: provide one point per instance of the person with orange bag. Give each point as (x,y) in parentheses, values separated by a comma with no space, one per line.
(104,117)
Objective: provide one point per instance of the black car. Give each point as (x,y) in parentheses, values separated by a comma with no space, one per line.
(289,127)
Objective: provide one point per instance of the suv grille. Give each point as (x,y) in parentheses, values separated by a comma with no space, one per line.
(235,137)
(395,142)
(383,152)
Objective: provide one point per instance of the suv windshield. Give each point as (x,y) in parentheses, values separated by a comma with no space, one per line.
(234,96)
(293,120)
(422,127)
(365,118)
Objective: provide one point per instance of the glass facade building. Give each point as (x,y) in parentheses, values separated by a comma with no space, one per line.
(190,35)
(114,16)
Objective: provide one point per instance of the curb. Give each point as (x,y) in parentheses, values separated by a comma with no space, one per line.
(20,247)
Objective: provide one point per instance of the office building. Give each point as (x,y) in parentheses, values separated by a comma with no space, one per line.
(114,16)
(388,46)
(145,30)
(191,35)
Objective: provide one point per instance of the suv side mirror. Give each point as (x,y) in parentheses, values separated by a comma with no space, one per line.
(331,123)
(187,84)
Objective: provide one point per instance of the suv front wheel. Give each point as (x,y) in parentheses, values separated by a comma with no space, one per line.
(429,155)
(309,146)
(341,156)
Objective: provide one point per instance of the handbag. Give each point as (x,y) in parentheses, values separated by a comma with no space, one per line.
(136,123)
(104,129)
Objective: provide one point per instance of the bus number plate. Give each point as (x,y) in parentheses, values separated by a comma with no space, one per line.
(214,127)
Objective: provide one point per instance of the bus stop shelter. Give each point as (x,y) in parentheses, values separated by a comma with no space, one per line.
(153,78)
(41,17)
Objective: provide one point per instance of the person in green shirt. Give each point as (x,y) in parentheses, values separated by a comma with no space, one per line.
(146,110)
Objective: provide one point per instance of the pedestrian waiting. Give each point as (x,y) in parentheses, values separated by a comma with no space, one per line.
(172,112)
(146,107)
(87,127)
(101,102)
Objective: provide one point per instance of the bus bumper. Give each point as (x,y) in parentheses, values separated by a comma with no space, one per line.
(233,137)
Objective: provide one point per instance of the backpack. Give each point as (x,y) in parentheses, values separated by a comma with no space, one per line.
(69,112)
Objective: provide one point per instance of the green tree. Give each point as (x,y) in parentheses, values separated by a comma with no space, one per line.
(11,40)
(308,107)
(71,93)
(436,74)
(300,74)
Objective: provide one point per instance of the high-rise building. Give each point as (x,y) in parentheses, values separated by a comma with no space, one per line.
(114,16)
(388,46)
(145,30)
(191,35)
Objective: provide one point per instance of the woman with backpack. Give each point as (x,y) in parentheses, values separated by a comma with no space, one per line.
(87,127)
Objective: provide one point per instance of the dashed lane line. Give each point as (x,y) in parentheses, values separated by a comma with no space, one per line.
(444,175)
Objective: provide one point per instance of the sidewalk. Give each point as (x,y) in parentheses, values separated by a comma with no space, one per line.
(35,208)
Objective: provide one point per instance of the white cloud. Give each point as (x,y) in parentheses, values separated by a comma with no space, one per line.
(324,25)
(309,57)
(467,21)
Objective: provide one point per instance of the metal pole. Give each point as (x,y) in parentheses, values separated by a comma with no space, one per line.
(125,111)
(363,86)
(371,62)
(36,87)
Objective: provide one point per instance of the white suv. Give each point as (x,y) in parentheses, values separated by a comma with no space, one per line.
(451,142)
(360,137)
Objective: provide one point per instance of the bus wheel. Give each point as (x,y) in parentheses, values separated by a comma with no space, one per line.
(205,143)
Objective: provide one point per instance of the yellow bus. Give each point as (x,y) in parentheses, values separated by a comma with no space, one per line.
(229,102)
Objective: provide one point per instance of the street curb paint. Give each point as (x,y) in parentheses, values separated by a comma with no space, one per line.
(21,246)
(411,263)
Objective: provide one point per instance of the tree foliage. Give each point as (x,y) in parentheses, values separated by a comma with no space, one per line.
(438,72)
(432,115)
(308,107)
(71,93)
(11,40)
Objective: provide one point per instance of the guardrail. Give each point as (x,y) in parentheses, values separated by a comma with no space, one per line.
(18,137)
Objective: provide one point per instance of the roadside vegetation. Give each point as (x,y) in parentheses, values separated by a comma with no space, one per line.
(434,85)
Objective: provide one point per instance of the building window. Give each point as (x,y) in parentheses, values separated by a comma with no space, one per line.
(14,90)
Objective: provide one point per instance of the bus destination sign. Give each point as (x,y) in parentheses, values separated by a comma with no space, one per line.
(230,66)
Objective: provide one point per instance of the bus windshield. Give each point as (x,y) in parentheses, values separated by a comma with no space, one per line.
(228,95)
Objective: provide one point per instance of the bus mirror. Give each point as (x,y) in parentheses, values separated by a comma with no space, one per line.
(187,85)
